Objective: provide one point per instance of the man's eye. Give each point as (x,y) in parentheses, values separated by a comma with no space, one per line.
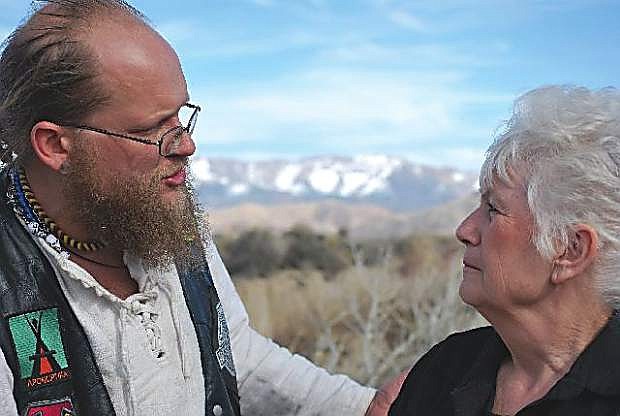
(143,132)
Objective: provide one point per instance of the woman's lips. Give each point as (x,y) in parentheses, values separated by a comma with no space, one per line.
(177,178)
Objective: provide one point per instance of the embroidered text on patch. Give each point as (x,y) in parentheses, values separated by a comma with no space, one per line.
(39,347)
(62,407)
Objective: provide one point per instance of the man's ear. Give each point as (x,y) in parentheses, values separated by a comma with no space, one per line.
(580,253)
(50,144)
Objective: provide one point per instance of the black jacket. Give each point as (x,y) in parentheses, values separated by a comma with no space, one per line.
(47,349)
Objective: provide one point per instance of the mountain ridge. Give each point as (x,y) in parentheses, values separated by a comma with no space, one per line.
(390,182)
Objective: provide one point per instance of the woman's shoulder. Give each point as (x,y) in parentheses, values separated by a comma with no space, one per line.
(472,337)
(459,348)
(440,370)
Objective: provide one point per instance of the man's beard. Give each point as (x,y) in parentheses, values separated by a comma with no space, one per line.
(129,213)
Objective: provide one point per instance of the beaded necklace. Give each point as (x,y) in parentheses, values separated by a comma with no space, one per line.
(23,211)
(34,211)
(27,208)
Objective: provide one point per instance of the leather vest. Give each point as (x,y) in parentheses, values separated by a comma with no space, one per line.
(53,365)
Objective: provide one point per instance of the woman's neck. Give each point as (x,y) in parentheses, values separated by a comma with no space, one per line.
(543,344)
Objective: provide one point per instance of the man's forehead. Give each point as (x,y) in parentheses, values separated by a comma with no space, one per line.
(133,65)
(122,35)
(130,57)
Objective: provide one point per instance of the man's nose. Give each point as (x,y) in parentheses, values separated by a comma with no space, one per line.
(186,146)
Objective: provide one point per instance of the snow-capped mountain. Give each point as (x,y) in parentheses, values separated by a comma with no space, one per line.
(390,182)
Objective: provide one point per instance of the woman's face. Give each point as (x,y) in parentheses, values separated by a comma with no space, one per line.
(501,266)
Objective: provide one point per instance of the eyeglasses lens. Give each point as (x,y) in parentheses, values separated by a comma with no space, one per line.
(172,139)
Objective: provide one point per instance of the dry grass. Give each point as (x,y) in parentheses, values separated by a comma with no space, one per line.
(370,323)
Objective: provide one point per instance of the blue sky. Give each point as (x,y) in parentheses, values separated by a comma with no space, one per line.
(429,80)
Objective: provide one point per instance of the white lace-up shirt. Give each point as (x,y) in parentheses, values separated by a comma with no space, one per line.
(147,351)
(145,346)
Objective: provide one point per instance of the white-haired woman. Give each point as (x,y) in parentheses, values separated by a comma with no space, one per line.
(542,265)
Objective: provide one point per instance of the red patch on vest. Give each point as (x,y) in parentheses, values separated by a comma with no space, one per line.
(62,407)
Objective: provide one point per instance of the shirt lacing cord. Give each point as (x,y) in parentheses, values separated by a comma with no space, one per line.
(142,305)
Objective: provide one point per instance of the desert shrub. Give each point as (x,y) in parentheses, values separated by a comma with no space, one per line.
(372,252)
(254,252)
(369,322)
(422,254)
(346,306)
(309,250)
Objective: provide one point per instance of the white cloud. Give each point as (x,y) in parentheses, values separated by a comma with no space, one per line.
(418,55)
(452,16)
(408,21)
(344,106)
(176,31)
(360,90)
(564,5)
(336,105)
(466,158)
(270,3)
(346,112)
(244,48)
(185,35)
(263,3)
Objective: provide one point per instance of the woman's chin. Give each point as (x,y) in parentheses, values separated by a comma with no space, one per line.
(470,293)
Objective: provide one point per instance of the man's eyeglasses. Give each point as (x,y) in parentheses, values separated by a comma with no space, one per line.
(169,142)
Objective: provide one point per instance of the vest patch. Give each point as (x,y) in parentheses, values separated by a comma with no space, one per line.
(40,351)
(224,350)
(62,407)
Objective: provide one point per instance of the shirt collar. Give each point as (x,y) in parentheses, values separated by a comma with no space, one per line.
(596,367)
(595,370)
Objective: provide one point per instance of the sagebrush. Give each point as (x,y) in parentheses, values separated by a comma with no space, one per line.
(367,321)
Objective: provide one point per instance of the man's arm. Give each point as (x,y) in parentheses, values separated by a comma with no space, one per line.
(386,395)
(271,380)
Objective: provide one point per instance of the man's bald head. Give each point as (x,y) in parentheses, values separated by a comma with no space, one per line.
(48,71)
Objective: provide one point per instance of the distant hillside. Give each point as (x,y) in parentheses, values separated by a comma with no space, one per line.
(362,221)
(392,183)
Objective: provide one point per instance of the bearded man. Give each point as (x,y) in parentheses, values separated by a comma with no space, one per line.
(107,275)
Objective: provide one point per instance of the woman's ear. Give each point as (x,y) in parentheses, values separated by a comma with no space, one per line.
(579,254)
(50,144)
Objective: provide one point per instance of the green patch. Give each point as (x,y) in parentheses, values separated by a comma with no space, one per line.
(39,347)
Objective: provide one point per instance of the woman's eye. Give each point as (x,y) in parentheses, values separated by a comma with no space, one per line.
(491,208)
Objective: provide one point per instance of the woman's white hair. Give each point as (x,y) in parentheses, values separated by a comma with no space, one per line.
(563,142)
